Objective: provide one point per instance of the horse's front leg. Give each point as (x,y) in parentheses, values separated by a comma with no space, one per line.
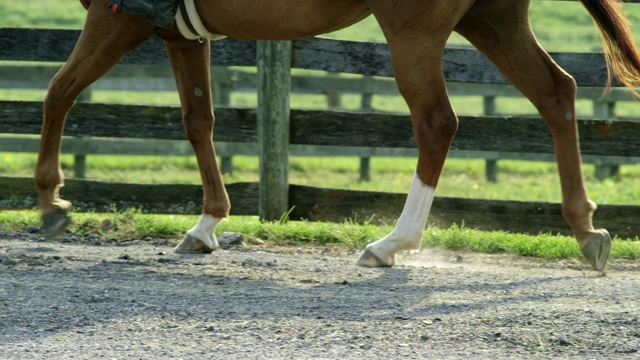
(191,67)
(106,38)
(416,35)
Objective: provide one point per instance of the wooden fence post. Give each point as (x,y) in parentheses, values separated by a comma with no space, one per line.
(603,109)
(334,98)
(80,160)
(365,161)
(222,97)
(491,165)
(274,84)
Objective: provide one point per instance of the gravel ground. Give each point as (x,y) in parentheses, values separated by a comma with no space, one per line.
(90,298)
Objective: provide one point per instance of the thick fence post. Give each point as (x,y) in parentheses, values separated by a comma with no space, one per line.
(334,98)
(80,160)
(491,165)
(79,166)
(222,97)
(274,84)
(365,161)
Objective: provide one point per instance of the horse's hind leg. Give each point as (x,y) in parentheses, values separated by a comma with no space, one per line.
(105,39)
(505,37)
(416,34)
(191,67)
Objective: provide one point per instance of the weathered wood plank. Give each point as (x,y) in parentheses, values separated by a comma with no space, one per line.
(97,196)
(460,65)
(488,133)
(55,45)
(126,121)
(316,127)
(323,205)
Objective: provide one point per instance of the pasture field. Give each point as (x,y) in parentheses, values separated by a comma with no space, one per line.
(517,180)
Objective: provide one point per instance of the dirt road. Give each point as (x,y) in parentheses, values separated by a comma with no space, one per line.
(89,298)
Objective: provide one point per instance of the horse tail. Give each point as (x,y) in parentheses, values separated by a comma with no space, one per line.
(621,54)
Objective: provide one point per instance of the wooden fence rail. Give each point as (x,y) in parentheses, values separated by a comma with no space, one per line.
(500,134)
(319,127)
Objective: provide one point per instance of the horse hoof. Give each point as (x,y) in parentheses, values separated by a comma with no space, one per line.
(191,244)
(596,249)
(368,258)
(54,223)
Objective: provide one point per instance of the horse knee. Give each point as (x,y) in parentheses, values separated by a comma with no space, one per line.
(58,98)
(47,176)
(578,215)
(198,126)
(433,134)
(435,127)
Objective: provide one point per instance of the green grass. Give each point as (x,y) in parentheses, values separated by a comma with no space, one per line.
(132,224)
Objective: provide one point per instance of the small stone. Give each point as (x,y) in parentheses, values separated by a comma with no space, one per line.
(228,239)
(124,257)
(31,229)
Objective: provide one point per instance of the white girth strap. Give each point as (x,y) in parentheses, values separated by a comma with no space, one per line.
(196,22)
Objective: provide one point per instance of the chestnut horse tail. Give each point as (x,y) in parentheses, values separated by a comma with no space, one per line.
(621,53)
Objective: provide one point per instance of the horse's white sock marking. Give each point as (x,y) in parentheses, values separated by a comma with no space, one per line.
(203,230)
(407,235)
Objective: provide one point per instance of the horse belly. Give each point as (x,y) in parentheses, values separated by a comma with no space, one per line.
(279,19)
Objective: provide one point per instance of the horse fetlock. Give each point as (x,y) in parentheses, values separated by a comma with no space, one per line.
(579,216)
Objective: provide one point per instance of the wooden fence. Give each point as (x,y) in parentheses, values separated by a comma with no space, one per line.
(319,128)
(225,81)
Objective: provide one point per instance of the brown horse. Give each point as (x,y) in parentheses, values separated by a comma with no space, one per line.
(416,31)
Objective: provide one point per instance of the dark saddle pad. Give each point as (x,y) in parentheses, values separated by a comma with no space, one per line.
(161,13)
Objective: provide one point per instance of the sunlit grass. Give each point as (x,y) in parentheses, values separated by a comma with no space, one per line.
(133,224)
